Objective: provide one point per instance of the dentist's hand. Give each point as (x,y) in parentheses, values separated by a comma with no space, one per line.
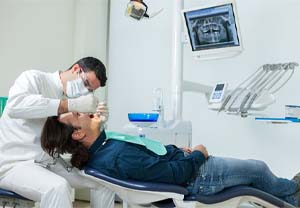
(83,104)
(102,111)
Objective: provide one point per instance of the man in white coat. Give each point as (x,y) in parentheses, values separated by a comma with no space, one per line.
(34,96)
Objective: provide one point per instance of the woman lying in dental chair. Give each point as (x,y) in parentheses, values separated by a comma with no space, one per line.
(81,135)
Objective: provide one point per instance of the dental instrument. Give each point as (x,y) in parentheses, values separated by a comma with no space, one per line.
(256,92)
(267,87)
(257,74)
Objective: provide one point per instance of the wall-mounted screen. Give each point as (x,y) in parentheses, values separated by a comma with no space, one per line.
(213,30)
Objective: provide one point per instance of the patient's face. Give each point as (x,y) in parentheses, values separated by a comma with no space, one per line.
(77,120)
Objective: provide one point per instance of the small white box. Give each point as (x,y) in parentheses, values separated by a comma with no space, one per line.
(292,111)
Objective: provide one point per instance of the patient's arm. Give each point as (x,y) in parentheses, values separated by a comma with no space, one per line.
(187,149)
(202,149)
(199,147)
(150,167)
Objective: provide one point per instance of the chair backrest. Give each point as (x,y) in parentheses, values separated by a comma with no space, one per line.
(3,101)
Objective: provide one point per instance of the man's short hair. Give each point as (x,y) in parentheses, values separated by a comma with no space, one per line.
(93,64)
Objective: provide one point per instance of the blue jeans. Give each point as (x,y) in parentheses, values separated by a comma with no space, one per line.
(218,173)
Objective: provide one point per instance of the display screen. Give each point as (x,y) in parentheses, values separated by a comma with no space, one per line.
(219,87)
(212,27)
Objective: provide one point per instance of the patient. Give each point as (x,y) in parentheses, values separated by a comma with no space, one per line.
(81,135)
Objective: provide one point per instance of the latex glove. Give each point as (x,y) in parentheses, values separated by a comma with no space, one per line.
(102,111)
(83,104)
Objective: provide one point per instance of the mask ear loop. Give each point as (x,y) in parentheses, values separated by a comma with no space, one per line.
(84,74)
(80,71)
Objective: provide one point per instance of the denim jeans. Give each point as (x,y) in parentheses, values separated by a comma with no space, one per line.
(218,173)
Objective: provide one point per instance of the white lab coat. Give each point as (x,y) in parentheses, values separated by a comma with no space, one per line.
(34,96)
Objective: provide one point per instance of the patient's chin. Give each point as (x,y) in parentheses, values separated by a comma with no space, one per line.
(95,123)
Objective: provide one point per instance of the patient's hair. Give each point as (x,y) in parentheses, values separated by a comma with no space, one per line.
(56,138)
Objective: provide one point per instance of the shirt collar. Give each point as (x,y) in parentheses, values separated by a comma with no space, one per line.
(98,143)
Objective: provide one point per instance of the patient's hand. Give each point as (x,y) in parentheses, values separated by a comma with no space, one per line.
(202,149)
(187,149)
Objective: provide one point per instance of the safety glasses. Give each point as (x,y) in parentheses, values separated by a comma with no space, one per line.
(85,80)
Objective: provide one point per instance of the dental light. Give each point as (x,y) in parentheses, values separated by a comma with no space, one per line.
(137,9)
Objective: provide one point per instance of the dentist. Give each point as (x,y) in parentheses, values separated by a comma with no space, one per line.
(34,96)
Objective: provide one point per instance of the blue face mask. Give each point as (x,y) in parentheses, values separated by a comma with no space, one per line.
(76,88)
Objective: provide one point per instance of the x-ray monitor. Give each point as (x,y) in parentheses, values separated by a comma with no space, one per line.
(213,30)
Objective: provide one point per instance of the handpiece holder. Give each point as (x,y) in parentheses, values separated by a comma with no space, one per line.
(256,93)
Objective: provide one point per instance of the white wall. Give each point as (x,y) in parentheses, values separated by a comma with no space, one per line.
(49,35)
(140,59)
(34,34)
(91,32)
